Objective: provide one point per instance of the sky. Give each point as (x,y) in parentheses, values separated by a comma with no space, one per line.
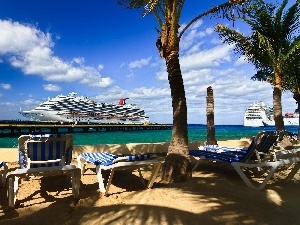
(103,51)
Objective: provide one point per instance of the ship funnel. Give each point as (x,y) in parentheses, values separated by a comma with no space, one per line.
(122,101)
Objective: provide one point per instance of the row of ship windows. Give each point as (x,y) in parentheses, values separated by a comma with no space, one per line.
(76,119)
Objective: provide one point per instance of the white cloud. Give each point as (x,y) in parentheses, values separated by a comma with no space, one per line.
(210,57)
(51,87)
(5,86)
(139,63)
(30,50)
(79,60)
(100,67)
(241,61)
(18,39)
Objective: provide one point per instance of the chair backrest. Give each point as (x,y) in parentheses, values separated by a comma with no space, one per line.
(262,143)
(45,147)
(1,163)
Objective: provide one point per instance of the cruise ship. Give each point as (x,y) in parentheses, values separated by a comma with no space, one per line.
(289,119)
(75,109)
(258,115)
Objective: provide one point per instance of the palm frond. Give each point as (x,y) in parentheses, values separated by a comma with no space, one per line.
(132,4)
(264,74)
(235,38)
(229,10)
(150,6)
(291,20)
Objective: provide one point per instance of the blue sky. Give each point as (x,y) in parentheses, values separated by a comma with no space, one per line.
(106,52)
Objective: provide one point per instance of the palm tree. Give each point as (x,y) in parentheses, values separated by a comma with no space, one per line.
(211,134)
(177,166)
(292,76)
(270,47)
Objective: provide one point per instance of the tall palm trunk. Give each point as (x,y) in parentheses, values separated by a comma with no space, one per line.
(177,166)
(211,134)
(277,105)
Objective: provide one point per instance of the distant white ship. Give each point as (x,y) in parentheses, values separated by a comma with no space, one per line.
(258,115)
(289,119)
(79,109)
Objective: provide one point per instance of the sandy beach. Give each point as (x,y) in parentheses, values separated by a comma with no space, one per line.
(215,195)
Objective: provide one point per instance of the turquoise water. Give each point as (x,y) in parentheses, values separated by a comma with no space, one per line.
(195,133)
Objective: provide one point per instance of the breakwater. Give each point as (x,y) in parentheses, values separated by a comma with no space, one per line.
(10,129)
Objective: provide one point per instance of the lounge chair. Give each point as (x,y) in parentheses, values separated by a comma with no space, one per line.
(107,161)
(3,173)
(260,145)
(258,152)
(43,155)
(287,158)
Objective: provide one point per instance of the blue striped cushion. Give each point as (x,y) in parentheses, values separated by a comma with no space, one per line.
(138,157)
(99,158)
(37,151)
(221,149)
(107,159)
(46,135)
(1,163)
(223,157)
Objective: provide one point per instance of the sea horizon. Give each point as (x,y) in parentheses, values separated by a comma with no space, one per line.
(196,133)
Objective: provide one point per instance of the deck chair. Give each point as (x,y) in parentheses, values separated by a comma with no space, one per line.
(3,173)
(43,155)
(107,161)
(258,151)
(287,158)
(260,146)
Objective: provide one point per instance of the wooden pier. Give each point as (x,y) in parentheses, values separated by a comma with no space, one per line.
(10,129)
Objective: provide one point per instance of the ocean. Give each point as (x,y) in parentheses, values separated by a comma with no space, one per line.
(196,132)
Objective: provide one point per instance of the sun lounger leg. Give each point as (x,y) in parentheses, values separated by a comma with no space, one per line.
(198,162)
(3,175)
(81,164)
(12,190)
(109,180)
(238,167)
(100,179)
(156,168)
(2,179)
(76,182)
(293,172)
(141,176)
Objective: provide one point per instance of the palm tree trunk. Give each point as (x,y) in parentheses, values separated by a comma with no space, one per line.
(278,108)
(277,105)
(210,123)
(177,166)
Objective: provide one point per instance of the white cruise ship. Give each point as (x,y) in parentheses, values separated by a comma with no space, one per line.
(289,119)
(256,114)
(79,109)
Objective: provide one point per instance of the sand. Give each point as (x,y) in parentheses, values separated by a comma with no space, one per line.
(215,195)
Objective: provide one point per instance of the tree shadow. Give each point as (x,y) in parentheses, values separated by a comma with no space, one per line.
(215,195)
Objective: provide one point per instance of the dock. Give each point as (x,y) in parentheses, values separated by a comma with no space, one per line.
(10,129)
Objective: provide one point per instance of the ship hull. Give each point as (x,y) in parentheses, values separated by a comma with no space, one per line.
(287,122)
